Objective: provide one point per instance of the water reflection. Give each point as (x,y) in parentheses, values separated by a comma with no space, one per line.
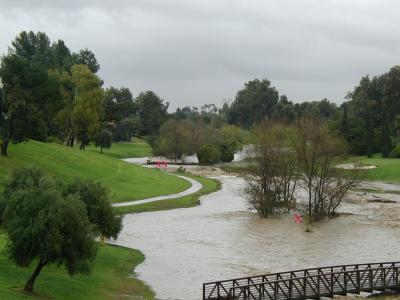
(221,239)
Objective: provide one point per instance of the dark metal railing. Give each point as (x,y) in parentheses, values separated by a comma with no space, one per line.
(308,283)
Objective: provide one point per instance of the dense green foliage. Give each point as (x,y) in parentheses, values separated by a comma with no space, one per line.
(60,231)
(370,118)
(208,155)
(96,199)
(47,91)
(104,139)
(227,153)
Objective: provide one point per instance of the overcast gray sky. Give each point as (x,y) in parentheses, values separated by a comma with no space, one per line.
(193,52)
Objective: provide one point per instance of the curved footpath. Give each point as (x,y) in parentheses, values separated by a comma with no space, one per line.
(196,186)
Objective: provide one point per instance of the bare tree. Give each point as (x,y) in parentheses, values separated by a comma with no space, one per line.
(318,153)
(272,173)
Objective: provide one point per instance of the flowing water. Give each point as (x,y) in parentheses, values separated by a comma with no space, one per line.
(222,239)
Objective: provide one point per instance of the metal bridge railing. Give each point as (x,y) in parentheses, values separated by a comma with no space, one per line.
(308,283)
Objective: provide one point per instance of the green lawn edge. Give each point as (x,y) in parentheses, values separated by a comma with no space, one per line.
(112,277)
(209,185)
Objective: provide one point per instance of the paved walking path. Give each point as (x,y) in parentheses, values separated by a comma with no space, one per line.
(196,186)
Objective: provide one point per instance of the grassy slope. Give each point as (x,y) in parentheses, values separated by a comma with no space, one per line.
(125,181)
(110,278)
(209,186)
(388,169)
(139,148)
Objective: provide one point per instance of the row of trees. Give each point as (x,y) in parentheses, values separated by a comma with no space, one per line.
(47,91)
(48,222)
(180,137)
(371,117)
(295,167)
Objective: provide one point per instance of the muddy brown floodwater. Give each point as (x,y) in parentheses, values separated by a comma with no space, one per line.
(222,239)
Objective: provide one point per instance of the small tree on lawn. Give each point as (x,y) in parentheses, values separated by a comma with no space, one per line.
(104,139)
(99,210)
(46,227)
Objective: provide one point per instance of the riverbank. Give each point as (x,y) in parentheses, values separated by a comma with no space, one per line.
(112,277)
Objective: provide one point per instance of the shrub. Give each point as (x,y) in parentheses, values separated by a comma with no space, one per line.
(208,155)
(227,153)
(395,153)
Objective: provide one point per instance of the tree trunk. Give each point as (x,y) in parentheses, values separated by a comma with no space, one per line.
(101,150)
(71,141)
(4,146)
(29,284)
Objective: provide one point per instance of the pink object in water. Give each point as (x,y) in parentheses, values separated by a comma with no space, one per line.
(298,218)
(165,164)
(158,164)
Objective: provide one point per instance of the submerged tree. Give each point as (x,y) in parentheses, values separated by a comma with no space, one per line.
(272,172)
(319,151)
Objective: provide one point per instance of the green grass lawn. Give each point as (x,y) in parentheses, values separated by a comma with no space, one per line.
(110,278)
(126,181)
(388,169)
(209,186)
(138,148)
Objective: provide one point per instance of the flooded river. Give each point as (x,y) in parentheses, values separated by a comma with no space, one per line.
(221,239)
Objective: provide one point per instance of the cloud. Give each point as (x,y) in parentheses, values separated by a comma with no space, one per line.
(196,52)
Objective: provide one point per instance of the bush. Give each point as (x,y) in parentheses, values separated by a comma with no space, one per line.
(227,153)
(208,155)
(395,153)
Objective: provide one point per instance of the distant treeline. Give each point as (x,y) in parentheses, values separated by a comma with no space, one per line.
(50,93)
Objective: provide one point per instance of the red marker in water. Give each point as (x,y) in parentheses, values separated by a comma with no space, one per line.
(298,218)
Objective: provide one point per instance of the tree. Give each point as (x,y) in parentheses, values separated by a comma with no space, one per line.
(174,139)
(227,153)
(82,96)
(97,202)
(118,104)
(104,139)
(208,155)
(87,57)
(152,112)
(318,152)
(272,173)
(59,229)
(34,47)
(29,99)
(253,103)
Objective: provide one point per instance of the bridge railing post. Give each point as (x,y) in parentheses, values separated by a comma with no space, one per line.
(358,281)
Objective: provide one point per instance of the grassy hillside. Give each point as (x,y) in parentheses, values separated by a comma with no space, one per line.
(388,169)
(138,148)
(125,181)
(111,278)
